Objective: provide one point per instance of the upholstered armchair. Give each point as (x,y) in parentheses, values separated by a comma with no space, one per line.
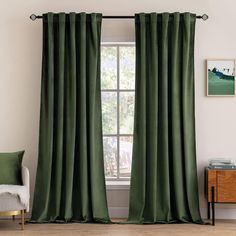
(14,199)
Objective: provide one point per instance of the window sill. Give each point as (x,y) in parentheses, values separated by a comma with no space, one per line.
(117,185)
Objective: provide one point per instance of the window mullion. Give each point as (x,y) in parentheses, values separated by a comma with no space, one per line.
(115,135)
(118,112)
(115,90)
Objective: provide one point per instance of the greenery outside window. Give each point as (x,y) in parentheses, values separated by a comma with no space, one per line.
(117,85)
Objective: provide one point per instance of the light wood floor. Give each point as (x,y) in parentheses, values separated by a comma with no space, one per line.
(223,228)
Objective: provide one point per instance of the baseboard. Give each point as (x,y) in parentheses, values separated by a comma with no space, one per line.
(118,212)
(114,212)
(27,216)
(122,212)
(221,213)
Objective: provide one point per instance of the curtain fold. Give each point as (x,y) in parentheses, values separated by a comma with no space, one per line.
(70,182)
(164,174)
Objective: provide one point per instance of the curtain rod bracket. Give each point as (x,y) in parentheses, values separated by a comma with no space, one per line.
(33,17)
(203,17)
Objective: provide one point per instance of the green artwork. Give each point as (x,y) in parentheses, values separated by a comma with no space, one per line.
(220,77)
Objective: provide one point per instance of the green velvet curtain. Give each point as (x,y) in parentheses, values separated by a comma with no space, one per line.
(164,175)
(70,183)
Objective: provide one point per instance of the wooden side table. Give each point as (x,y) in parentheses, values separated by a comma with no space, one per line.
(220,188)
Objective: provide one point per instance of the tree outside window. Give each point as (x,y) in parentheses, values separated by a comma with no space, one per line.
(117,84)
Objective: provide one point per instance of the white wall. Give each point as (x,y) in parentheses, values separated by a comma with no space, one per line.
(20,67)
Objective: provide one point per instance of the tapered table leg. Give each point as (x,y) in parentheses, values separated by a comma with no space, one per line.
(208,210)
(213,204)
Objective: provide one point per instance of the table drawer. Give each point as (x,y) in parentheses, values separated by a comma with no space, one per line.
(226,186)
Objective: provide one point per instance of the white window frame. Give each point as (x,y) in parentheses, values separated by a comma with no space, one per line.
(113,181)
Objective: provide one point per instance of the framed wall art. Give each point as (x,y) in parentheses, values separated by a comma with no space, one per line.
(220,77)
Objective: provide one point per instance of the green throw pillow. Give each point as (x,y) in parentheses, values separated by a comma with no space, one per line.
(10,168)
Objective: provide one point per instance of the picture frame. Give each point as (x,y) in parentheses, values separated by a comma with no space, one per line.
(220,77)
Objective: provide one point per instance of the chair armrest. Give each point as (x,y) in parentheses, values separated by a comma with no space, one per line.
(25,177)
(26,180)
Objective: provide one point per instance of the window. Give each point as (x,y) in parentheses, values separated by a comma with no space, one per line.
(117,84)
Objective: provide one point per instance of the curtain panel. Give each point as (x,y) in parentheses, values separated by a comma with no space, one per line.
(164,185)
(70,182)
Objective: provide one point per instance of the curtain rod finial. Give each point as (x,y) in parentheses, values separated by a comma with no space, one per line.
(33,17)
(205,16)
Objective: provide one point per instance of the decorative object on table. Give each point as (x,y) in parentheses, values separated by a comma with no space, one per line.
(221,77)
(222,163)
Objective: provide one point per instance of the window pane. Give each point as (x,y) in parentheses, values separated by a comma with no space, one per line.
(126,145)
(108,67)
(109,112)
(126,112)
(110,156)
(127,67)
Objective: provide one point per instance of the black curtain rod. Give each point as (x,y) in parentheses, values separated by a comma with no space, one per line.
(34,17)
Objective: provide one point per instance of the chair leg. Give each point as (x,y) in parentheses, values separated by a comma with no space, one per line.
(22,219)
(13,218)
